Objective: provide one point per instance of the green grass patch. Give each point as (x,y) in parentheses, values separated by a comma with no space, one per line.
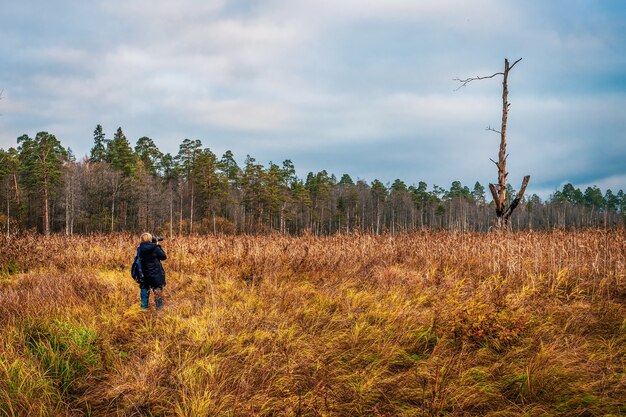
(67,352)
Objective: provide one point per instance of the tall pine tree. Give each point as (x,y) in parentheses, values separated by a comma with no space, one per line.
(120,154)
(99,151)
(42,161)
(149,154)
(188,152)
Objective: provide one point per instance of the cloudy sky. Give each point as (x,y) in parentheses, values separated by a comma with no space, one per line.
(350,86)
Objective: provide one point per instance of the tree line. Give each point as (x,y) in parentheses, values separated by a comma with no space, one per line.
(120,188)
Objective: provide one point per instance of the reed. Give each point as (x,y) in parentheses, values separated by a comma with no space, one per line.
(424,324)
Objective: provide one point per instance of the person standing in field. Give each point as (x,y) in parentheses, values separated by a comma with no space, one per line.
(151,255)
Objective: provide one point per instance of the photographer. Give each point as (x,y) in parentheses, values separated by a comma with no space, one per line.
(151,255)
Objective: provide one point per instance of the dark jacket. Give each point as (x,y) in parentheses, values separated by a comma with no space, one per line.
(151,256)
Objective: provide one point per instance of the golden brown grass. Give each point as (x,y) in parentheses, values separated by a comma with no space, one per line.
(425,324)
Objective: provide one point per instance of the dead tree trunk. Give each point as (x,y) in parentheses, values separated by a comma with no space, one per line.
(498,191)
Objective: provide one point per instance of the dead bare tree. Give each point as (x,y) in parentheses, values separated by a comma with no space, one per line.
(498,191)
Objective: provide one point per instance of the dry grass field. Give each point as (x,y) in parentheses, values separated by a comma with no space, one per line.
(426,324)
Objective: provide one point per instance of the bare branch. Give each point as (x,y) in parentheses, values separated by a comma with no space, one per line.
(493,130)
(511,67)
(494,194)
(518,198)
(498,165)
(466,81)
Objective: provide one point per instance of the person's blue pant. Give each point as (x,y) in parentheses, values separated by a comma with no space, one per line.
(145,297)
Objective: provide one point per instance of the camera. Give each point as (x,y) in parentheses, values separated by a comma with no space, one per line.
(156,239)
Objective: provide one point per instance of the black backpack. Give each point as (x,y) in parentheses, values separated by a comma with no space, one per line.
(135,269)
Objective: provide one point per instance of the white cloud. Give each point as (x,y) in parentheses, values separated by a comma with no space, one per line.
(302,76)
(613,182)
(447,13)
(163,13)
(240,115)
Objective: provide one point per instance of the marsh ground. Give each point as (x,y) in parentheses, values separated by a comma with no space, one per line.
(426,324)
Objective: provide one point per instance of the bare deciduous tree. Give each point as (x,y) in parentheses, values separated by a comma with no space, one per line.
(498,191)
